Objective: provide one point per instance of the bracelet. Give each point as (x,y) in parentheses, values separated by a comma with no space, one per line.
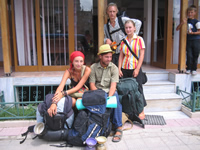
(64,93)
(54,103)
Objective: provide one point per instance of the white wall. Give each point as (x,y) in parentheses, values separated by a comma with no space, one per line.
(7,84)
(147,29)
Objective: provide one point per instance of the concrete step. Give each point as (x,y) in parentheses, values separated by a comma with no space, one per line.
(163,102)
(153,87)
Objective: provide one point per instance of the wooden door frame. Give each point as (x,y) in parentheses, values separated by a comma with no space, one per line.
(40,67)
(5,33)
(182,39)
(169,39)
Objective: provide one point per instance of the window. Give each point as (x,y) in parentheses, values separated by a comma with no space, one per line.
(25,32)
(85,29)
(54,34)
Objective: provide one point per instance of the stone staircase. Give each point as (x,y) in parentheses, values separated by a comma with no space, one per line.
(160,92)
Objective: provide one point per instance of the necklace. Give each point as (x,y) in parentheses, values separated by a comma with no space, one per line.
(76,75)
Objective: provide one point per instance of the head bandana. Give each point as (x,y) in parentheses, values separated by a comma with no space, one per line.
(73,55)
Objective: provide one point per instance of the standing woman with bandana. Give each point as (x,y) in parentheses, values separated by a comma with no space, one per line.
(77,81)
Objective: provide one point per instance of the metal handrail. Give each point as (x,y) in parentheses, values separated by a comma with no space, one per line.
(190,100)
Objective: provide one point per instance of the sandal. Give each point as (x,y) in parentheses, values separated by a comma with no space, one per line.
(119,136)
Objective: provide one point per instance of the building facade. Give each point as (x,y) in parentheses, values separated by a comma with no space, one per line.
(39,36)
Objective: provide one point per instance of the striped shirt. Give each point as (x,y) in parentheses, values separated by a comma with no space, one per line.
(136,44)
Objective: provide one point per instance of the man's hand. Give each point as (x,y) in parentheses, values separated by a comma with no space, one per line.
(52,110)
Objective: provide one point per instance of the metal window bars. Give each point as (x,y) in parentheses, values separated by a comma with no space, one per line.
(26,100)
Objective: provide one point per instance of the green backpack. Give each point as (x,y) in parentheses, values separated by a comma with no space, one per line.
(129,96)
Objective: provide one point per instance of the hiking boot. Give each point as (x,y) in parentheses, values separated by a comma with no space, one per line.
(194,72)
(188,71)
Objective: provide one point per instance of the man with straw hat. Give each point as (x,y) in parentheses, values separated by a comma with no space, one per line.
(104,75)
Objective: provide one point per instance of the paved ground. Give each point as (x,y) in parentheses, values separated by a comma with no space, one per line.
(180,133)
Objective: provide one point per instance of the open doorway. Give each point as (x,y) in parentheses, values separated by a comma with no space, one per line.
(158,54)
(132,9)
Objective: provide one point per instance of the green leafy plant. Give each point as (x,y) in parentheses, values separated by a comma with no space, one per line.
(16,110)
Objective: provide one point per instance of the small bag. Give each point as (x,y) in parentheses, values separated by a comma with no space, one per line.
(95,101)
(144,76)
(56,122)
(79,94)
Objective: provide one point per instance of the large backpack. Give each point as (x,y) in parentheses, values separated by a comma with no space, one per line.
(93,121)
(130,98)
(54,126)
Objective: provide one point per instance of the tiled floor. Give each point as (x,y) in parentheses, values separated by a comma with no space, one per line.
(146,68)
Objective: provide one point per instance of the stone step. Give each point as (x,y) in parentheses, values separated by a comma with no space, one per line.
(163,102)
(153,87)
(169,114)
(157,75)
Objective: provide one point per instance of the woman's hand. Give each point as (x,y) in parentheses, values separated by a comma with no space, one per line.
(52,110)
(108,41)
(57,97)
(120,73)
(136,72)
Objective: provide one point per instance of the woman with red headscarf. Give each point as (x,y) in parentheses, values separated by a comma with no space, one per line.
(77,81)
(78,73)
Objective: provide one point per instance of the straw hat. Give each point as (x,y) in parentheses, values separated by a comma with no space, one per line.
(104,49)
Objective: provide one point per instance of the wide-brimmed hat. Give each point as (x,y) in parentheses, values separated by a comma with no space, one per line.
(104,49)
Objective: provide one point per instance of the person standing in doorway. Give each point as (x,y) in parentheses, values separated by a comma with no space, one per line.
(193,40)
(114,30)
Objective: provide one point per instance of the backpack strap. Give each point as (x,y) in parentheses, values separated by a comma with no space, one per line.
(121,24)
(62,145)
(121,27)
(30,129)
(83,70)
(131,49)
(82,73)
(108,28)
(124,120)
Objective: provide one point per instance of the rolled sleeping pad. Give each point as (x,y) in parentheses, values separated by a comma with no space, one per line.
(111,103)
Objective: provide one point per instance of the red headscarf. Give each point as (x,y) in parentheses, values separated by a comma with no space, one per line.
(73,55)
